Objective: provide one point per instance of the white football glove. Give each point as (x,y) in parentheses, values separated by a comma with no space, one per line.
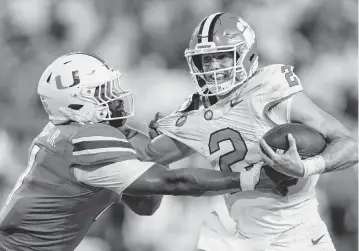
(249,179)
(153,126)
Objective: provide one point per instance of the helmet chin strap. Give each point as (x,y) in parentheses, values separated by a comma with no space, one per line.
(56,120)
(73,115)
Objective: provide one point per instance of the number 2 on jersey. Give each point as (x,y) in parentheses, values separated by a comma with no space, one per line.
(289,75)
(30,165)
(234,155)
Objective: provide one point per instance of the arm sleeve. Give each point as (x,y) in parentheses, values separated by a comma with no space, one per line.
(116,176)
(98,145)
(279,85)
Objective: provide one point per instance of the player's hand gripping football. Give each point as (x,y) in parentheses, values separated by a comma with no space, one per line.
(288,163)
(153,126)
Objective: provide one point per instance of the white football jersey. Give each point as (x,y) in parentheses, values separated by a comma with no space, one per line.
(228,134)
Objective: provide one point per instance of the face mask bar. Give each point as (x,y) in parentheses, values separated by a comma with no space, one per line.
(238,74)
(110,91)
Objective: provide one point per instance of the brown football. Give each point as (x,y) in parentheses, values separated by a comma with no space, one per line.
(309,143)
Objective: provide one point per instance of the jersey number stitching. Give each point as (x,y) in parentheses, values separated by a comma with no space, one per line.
(289,75)
(239,148)
(30,165)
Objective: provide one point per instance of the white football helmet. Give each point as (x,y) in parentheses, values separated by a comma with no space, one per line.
(85,84)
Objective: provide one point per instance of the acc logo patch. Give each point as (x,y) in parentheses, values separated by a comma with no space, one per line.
(181,120)
(208,115)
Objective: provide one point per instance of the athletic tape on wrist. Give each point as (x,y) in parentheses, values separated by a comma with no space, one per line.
(313,165)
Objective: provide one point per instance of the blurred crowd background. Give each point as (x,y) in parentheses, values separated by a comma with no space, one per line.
(146,41)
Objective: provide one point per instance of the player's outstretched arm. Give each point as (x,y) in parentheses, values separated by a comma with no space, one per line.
(183,182)
(340,153)
(146,178)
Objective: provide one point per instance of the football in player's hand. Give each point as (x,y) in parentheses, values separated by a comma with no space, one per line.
(309,143)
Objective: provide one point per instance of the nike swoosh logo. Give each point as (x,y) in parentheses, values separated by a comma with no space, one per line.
(233,104)
(315,242)
(93,71)
(231,35)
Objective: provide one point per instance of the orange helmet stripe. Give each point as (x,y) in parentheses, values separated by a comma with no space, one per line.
(208,26)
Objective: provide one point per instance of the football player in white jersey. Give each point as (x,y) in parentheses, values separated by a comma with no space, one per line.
(236,104)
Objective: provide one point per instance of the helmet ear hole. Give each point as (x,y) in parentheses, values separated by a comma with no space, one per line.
(75,107)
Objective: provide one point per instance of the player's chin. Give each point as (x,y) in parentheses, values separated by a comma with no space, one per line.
(118,122)
(212,82)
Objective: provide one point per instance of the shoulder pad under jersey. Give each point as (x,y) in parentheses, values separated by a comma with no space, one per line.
(194,102)
(277,83)
(100,144)
(190,103)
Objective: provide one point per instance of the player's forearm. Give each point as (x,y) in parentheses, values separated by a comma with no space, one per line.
(184,182)
(143,205)
(341,153)
(214,193)
(197,182)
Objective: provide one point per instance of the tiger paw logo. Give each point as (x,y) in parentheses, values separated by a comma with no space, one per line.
(247,31)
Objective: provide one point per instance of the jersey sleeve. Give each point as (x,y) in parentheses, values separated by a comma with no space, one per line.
(116,176)
(100,144)
(279,83)
(280,113)
(172,126)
